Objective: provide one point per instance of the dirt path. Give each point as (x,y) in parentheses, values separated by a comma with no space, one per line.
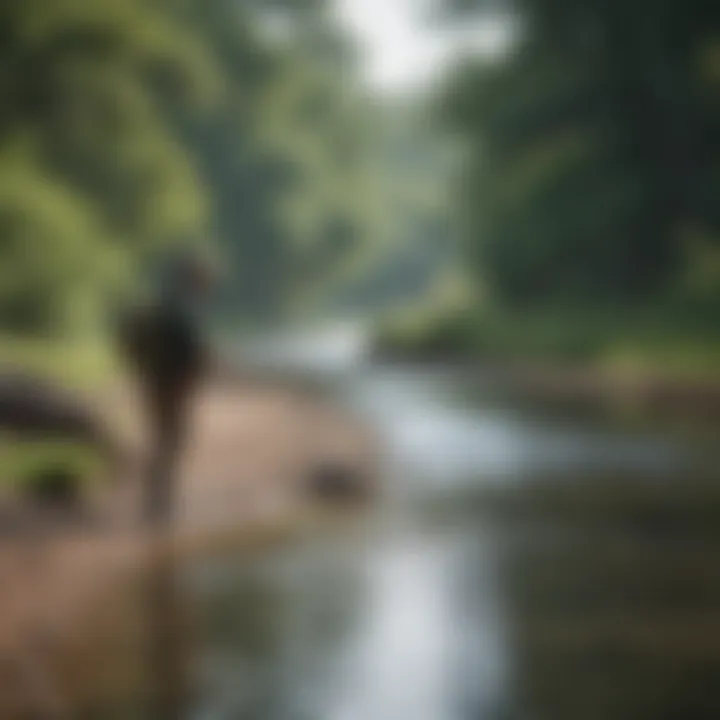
(243,476)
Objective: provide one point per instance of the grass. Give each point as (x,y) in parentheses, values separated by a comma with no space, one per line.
(647,340)
(84,364)
(22,462)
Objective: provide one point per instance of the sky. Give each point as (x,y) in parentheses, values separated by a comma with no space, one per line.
(403,52)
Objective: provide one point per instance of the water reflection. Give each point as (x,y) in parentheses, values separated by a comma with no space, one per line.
(390,627)
(167,642)
(274,630)
(618,621)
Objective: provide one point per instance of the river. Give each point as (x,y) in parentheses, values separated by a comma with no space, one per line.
(436,608)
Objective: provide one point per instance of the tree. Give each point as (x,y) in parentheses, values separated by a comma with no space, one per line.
(595,147)
(134,127)
(280,157)
(95,168)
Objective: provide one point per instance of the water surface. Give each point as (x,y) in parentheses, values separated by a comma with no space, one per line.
(464,614)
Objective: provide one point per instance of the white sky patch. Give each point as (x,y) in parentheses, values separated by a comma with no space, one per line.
(403,52)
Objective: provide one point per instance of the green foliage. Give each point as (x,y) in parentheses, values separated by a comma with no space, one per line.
(669,337)
(51,263)
(130,128)
(594,146)
(279,158)
(23,462)
(93,179)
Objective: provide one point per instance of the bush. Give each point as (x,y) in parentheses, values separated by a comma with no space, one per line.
(42,465)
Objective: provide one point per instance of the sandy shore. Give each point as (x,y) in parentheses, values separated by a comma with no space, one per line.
(243,480)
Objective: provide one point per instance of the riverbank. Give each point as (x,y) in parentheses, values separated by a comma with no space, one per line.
(687,404)
(244,481)
(664,366)
(653,338)
(624,392)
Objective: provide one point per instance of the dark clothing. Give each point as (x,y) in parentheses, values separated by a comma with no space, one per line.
(164,346)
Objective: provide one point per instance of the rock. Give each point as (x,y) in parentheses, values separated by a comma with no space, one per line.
(334,481)
(33,408)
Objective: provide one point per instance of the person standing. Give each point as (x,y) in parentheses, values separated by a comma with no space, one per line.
(164,344)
